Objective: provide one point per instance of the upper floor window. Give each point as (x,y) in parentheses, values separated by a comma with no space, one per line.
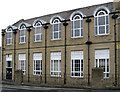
(22,34)
(101,22)
(77,26)
(9,36)
(37,31)
(56,29)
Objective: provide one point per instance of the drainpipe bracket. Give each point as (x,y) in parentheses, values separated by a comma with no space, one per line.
(88,20)
(88,43)
(65,24)
(46,27)
(114,16)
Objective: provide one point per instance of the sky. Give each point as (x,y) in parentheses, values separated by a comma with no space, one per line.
(12,11)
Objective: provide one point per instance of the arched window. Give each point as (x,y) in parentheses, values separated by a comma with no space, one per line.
(22,33)
(9,36)
(76,26)
(37,31)
(55,28)
(101,22)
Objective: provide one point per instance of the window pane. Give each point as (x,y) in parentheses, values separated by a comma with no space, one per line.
(107,29)
(107,65)
(101,20)
(102,63)
(22,65)
(71,33)
(107,20)
(77,74)
(22,33)
(81,23)
(102,30)
(37,30)
(56,65)
(37,64)
(22,39)
(96,62)
(59,26)
(51,65)
(51,31)
(38,37)
(59,67)
(72,65)
(81,32)
(77,32)
(56,35)
(77,65)
(34,65)
(71,24)
(96,31)
(77,24)
(10,41)
(55,27)
(9,63)
(82,65)
(95,21)
(60,34)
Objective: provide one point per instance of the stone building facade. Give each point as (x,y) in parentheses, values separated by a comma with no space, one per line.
(64,48)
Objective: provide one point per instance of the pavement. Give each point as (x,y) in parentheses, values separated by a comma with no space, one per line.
(16,88)
(37,88)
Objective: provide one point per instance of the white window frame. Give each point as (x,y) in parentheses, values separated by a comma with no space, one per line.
(73,27)
(102,55)
(9,39)
(77,55)
(36,26)
(58,23)
(22,57)
(22,28)
(97,26)
(55,56)
(37,56)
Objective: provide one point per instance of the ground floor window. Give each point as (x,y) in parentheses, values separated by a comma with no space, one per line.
(77,64)
(55,63)
(37,64)
(22,62)
(102,60)
(9,66)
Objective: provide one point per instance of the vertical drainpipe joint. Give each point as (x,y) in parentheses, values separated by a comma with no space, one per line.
(88,20)
(3,32)
(46,27)
(29,29)
(65,24)
(15,31)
